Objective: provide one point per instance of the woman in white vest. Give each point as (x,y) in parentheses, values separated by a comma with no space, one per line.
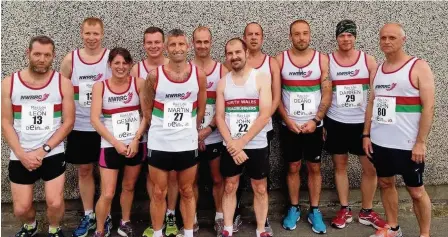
(117,100)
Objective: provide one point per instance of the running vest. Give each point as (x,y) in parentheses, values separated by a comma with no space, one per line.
(266,68)
(83,77)
(210,108)
(242,109)
(396,108)
(173,122)
(142,70)
(301,88)
(350,87)
(37,113)
(121,113)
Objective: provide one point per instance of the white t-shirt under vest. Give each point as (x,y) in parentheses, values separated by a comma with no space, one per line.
(210,108)
(396,108)
(266,68)
(301,93)
(242,109)
(37,113)
(121,113)
(173,122)
(84,75)
(350,90)
(142,70)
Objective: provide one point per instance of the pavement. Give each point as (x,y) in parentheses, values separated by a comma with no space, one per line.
(140,217)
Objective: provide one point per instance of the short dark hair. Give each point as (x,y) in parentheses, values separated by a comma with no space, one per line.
(256,23)
(42,39)
(120,51)
(236,39)
(152,30)
(296,22)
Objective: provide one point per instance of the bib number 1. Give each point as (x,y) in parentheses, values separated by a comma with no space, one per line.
(125,125)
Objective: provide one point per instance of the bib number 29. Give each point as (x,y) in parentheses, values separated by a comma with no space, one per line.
(350,98)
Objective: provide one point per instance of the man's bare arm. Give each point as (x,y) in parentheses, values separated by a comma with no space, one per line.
(275,85)
(8,119)
(326,89)
(220,112)
(426,87)
(202,96)
(265,104)
(66,66)
(68,114)
(372,67)
(148,93)
(144,123)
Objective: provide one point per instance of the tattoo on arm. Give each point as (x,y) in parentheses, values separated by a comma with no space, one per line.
(149,93)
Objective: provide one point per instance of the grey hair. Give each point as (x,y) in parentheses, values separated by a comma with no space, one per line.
(176,33)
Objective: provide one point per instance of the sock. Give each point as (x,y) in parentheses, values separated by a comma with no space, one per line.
(229,229)
(345,207)
(168,211)
(122,222)
(196,218)
(266,224)
(296,206)
(366,211)
(219,215)
(312,207)
(158,233)
(88,212)
(31,225)
(52,230)
(395,228)
(258,233)
(188,233)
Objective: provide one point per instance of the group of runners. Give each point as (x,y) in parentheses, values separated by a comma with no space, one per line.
(174,115)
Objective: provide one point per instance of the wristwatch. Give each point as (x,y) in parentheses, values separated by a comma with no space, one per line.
(212,127)
(316,121)
(365,135)
(46,148)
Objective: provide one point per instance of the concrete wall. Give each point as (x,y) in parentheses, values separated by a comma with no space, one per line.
(425,23)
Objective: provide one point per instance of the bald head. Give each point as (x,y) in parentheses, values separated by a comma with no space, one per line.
(393,27)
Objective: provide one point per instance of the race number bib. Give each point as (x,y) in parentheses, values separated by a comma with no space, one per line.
(208,117)
(177,114)
(384,110)
(240,123)
(349,96)
(125,125)
(85,94)
(37,118)
(302,104)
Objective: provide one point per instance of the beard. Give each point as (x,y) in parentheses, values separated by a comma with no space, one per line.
(238,67)
(301,46)
(40,69)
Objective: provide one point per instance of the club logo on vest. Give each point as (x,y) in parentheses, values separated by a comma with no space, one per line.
(301,73)
(209,84)
(182,96)
(121,98)
(38,98)
(387,87)
(348,73)
(91,77)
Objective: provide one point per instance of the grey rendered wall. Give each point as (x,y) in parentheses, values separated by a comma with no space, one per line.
(426,25)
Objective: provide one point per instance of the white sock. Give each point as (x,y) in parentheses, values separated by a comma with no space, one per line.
(168,211)
(196,218)
(258,233)
(124,222)
(219,215)
(33,224)
(88,212)
(188,233)
(158,233)
(229,229)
